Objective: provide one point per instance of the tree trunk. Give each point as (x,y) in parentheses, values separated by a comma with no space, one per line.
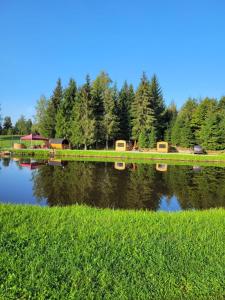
(107,143)
(85,146)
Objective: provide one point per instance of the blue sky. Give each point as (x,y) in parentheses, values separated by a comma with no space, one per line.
(183,42)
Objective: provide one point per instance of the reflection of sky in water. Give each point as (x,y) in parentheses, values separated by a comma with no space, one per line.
(117,185)
(16,182)
(171,204)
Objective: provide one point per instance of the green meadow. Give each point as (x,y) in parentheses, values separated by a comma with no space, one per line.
(128,155)
(86,253)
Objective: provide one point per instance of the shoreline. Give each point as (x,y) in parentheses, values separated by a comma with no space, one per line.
(128,155)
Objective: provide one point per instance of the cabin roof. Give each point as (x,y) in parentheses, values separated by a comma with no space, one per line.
(58,141)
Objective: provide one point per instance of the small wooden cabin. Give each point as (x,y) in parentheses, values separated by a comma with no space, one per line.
(59,144)
(121,145)
(163,147)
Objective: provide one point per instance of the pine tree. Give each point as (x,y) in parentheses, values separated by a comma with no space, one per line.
(64,115)
(52,110)
(152,138)
(99,86)
(126,97)
(110,121)
(142,139)
(170,119)
(143,117)
(210,132)
(7,125)
(84,124)
(182,132)
(158,106)
(203,110)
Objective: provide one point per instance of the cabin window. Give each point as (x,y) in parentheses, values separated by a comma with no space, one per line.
(121,145)
(162,146)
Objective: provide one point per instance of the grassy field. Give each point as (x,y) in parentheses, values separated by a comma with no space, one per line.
(129,155)
(86,253)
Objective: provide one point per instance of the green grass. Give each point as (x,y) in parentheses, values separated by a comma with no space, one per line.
(129,155)
(7,141)
(86,253)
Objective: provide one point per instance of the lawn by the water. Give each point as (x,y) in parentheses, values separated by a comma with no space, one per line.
(86,253)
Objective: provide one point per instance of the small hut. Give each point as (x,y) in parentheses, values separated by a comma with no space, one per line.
(121,145)
(162,147)
(59,144)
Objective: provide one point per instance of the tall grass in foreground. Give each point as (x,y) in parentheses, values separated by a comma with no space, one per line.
(85,253)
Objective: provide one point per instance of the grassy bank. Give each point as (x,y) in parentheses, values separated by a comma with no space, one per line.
(128,155)
(85,253)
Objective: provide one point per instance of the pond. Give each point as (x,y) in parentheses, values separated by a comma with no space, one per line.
(115,185)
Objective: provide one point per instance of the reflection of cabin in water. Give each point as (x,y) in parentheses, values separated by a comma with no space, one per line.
(120,166)
(161,167)
(57,162)
(59,144)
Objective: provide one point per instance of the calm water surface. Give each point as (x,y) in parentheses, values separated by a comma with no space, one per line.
(114,185)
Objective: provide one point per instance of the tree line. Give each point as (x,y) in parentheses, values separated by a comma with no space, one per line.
(97,113)
(22,125)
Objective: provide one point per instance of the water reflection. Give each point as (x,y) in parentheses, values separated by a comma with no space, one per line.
(135,186)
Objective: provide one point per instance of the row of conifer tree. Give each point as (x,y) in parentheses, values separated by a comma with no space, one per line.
(96,114)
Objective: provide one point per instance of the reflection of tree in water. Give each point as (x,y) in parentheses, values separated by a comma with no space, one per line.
(99,184)
(141,192)
(5,161)
(198,190)
(64,186)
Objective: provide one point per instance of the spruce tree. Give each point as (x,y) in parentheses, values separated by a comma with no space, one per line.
(64,115)
(142,139)
(52,110)
(203,110)
(152,138)
(210,132)
(158,106)
(99,86)
(170,118)
(126,97)
(7,125)
(110,121)
(84,123)
(143,117)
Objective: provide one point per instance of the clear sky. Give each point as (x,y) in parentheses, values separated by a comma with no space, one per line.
(183,42)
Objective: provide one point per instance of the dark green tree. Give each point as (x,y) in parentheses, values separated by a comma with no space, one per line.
(170,118)
(125,100)
(52,109)
(99,86)
(182,133)
(7,125)
(210,132)
(158,106)
(110,121)
(64,115)
(84,123)
(143,117)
